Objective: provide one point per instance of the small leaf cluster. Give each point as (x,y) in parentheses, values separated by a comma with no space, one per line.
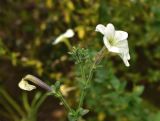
(78,113)
(55,89)
(79,55)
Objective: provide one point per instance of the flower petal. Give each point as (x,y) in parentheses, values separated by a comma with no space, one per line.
(109,47)
(69,33)
(23,84)
(101,28)
(125,59)
(128,56)
(59,39)
(122,45)
(110,30)
(126,62)
(121,35)
(106,42)
(115,49)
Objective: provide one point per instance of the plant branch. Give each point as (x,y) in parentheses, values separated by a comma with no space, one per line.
(97,60)
(64,101)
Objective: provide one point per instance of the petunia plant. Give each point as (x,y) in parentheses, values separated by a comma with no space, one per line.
(114,40)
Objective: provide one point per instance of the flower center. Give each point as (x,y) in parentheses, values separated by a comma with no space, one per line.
(111,41)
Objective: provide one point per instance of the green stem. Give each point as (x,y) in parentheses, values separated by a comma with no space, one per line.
(32,110)
(25,102)
(40,101)
(68,44)
(9,110)
(12,102)
(97,60)
(82,95)
(36,98)
(60,96)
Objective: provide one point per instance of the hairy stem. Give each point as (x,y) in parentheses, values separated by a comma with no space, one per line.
(64,102)
(97,60)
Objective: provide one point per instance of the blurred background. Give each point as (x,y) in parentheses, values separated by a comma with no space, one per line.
(28,29)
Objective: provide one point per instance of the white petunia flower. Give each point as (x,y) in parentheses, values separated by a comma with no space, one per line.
(115,41)
(68,34)
(23,84)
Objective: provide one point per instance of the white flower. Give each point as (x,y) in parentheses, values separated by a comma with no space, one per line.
(23,84)
(115,41)
(68,34)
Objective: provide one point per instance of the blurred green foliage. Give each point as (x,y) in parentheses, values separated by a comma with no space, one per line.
(13,111)
(27,29)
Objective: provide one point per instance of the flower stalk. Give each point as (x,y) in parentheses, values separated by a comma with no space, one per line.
(64,101)
(97,60)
